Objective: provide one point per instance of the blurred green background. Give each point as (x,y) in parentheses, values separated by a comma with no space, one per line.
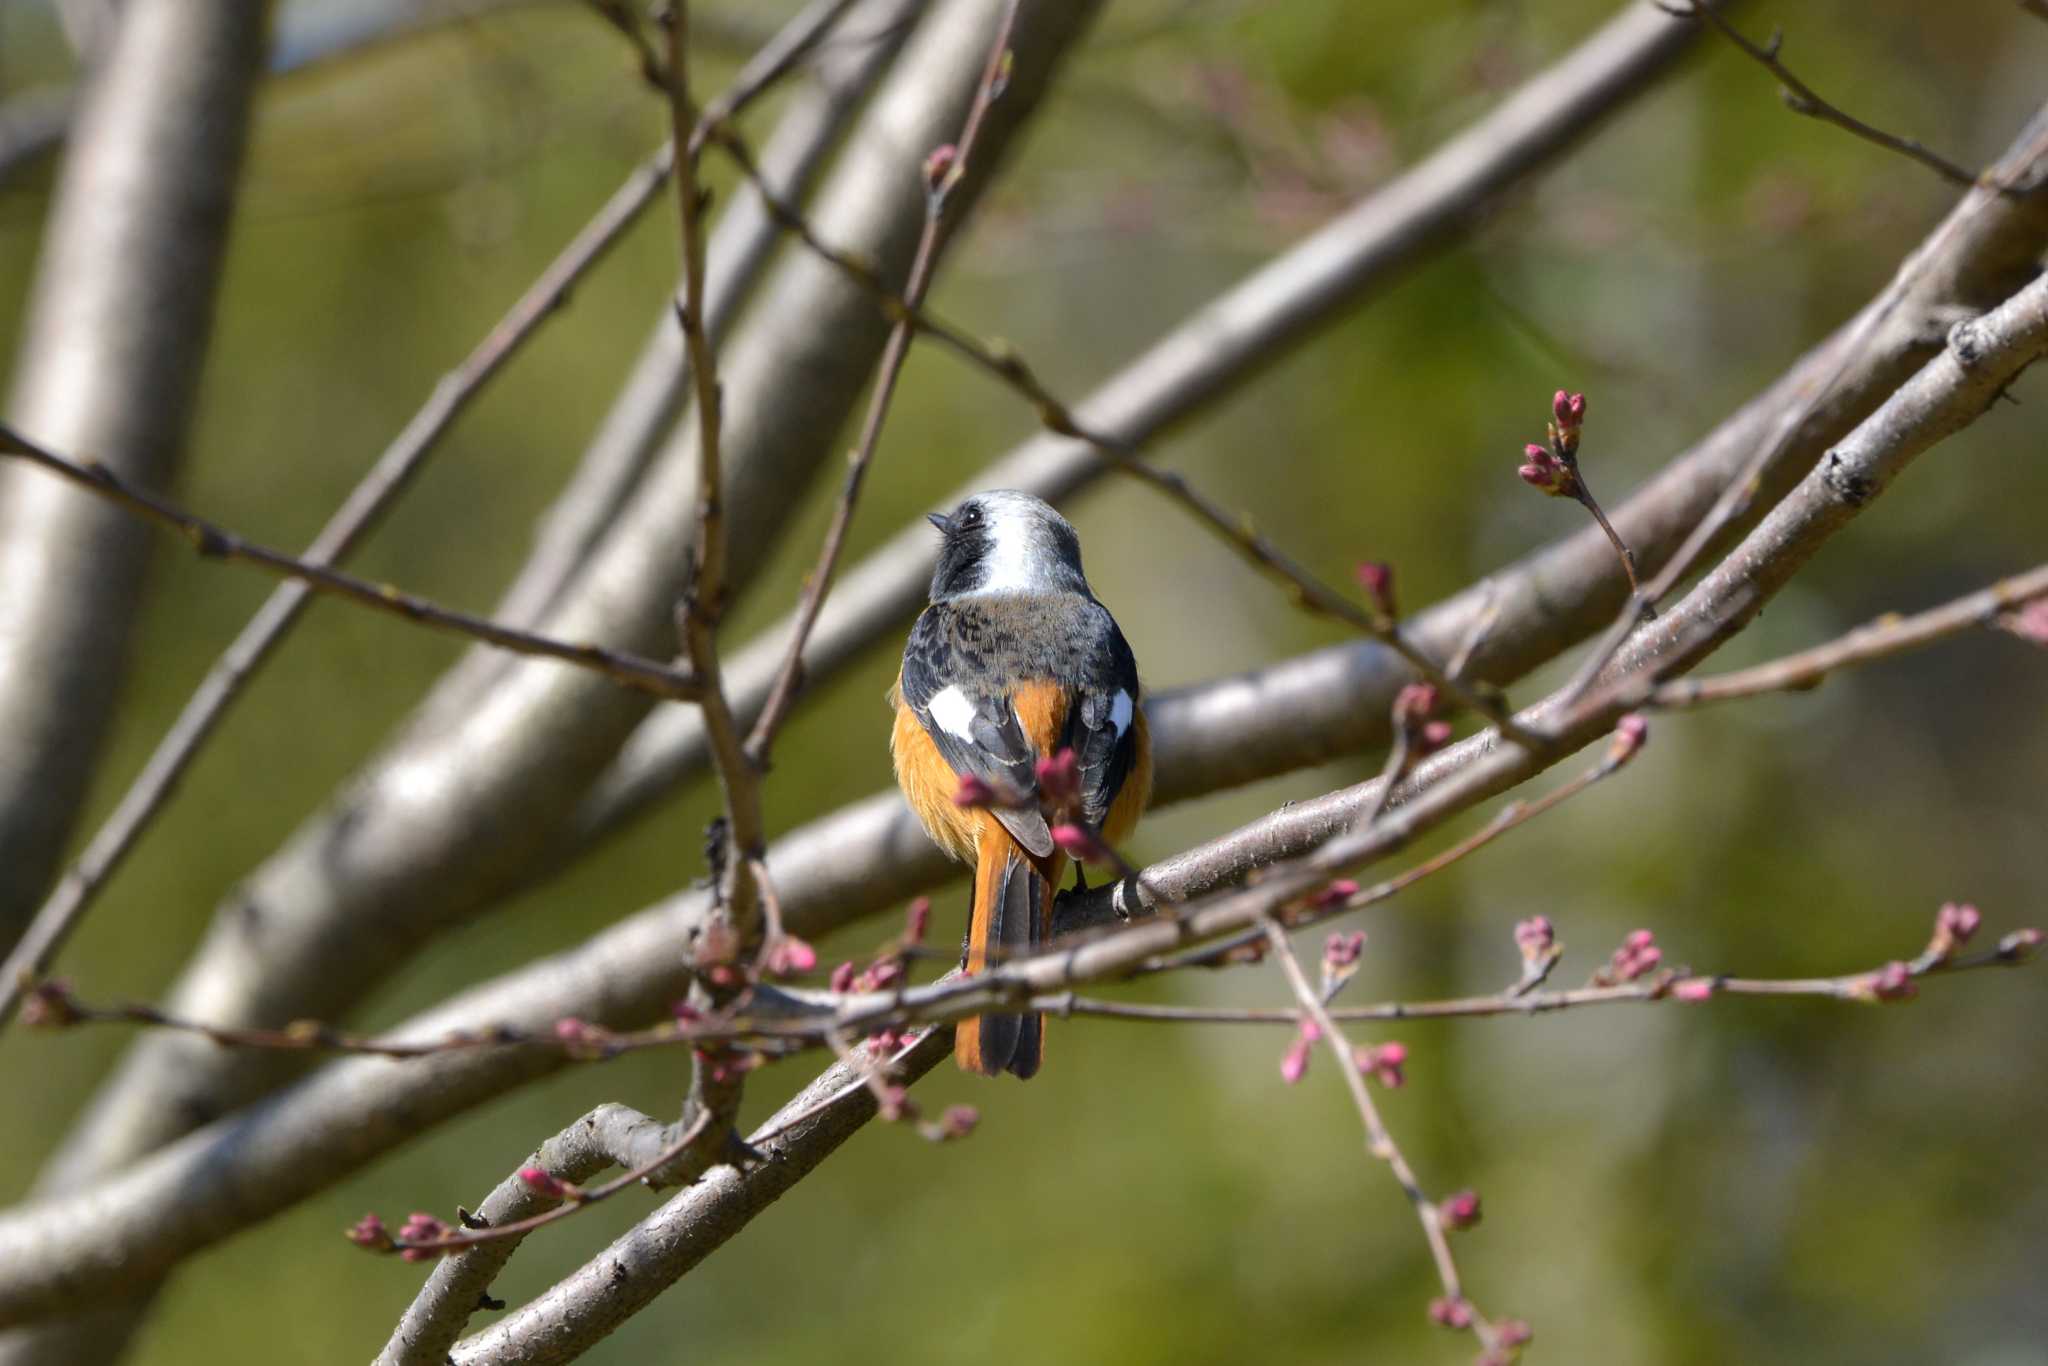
(1748,1181)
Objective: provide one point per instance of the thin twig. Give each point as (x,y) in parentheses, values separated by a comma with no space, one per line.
(716,1086)
(213,541)
(1800,98)
(456,1241)
(1848,986)
(941,178)
(75,893)
(1379,1142)
(1888,635)
(1334,900)
(773,1034)
(704,603)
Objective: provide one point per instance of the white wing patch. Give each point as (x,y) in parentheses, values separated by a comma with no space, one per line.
(954,712)
(1120,711)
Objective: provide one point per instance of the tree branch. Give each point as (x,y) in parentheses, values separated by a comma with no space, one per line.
(212,541)
(109,362)
(1801,99)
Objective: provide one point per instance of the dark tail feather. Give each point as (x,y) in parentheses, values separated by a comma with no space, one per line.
(994,1044)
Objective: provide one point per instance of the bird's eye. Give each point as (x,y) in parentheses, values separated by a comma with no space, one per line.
(969,516)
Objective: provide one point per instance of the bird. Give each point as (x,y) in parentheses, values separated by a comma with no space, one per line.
(1013,663)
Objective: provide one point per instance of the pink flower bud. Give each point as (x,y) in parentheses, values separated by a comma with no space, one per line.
(1694,989)
(1637,957)
(791,955)
(842,977)
(1450,1313)
(1512,1333)
(1414,702)
(1629,734)
(1459,1211)
(973,792)
(369,1233)
(1432,736)
(1080,844)
(958,1122)
(1059,779)
(1294,1062)
(1341,950)
(1568,410)
(2019,946)
(1333,893)
(1535,937)
(1953,926)
(1892,982)
(917,920)
(421,1229)
(2029,622)
(893,1104)
(546,1184)
(1376,577)
(938,166)
(882,974)
(49,1004)
(1383,1063)
(1544,471)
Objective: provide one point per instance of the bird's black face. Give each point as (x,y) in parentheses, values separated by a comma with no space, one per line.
(1006,542)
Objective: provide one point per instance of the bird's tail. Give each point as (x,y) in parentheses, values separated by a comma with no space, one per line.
(1012,916)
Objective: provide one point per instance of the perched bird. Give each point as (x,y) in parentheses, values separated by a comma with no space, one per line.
(1012,663)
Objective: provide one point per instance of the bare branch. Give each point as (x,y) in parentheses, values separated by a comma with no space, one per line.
(108,362)
(739,252)
(212,541)
(1379,1142)
(1801,99)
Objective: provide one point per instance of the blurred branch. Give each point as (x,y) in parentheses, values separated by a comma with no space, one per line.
(1800,98)
(840,76)
(108,362)
(158,781)
(1215,353)
(943,167)
(212,541)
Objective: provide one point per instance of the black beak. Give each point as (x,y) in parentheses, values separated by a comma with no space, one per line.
(941,521)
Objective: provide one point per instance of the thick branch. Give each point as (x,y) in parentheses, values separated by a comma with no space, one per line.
(109,362)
